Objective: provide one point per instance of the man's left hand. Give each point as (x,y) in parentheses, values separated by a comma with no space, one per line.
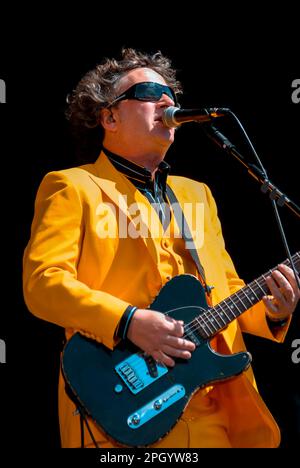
(285,293)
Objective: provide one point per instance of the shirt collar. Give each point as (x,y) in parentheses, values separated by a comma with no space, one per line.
(139,175)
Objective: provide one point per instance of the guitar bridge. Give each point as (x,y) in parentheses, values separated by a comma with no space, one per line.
(139,371)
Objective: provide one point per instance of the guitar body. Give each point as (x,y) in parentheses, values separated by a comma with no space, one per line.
(133,399)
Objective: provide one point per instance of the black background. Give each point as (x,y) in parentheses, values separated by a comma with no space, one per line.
(247,64)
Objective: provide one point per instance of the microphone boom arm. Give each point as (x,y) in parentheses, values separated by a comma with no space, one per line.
(260,176)
(267,186)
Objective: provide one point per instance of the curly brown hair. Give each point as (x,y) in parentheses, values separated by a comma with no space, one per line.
(97,89)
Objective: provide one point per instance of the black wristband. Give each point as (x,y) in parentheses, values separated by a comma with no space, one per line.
(276,323)
(125,320)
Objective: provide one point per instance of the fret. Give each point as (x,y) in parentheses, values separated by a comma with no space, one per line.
(254,297)
(258,290)
(219,318)
(266,289)
(223,311)
(249,297)
(238,294)
(263,291)
(191,332)
(197,319)
(211,316)
(206,314)
(233,305)
(223,315)
(204,322)
(220,314)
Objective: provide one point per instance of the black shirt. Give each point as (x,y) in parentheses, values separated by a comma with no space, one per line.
(154,189)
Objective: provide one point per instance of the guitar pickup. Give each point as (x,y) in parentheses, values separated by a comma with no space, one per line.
(151,366)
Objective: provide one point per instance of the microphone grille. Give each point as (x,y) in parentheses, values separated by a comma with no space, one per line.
(168,117)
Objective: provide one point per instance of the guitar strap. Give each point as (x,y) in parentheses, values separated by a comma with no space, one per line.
(83,419)
(83,416)
(186,235)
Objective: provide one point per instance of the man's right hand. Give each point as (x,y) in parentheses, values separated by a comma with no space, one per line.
(159,336)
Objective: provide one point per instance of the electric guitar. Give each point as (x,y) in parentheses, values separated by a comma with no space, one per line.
(136,400)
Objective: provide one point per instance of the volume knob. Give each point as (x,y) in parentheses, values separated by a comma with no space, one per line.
(157,404)
(135,419)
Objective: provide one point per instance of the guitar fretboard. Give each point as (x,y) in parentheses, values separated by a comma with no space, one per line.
(213,320)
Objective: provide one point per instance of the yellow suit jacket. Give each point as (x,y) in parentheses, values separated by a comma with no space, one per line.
(80,280)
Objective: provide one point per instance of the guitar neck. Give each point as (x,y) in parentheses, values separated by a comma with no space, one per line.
(213,320)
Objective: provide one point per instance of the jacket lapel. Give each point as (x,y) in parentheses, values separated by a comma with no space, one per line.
(131,203)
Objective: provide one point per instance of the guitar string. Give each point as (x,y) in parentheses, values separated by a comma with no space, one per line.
(205,321)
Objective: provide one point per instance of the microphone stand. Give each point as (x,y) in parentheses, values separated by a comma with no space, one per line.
(260,175)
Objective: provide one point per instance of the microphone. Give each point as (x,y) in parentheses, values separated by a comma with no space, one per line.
(173,116)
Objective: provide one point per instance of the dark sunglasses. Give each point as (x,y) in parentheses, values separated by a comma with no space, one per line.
(146,91)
